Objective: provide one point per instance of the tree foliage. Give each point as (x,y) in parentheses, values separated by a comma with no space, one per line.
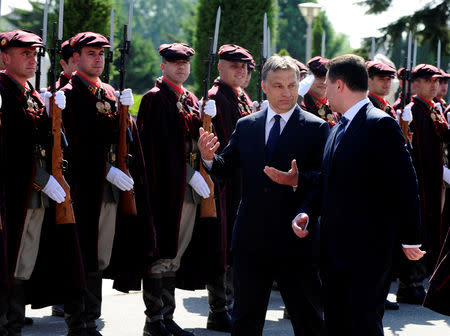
(241,23)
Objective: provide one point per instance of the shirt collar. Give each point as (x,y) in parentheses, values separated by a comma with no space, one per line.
(285,116)
(352,111)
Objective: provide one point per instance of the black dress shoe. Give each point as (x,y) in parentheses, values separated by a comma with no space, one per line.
(389,305)
(58,310)
(156,328)
(411,295)
(219,321)
(175,329)
(28,321)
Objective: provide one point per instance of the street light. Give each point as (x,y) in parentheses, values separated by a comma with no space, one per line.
(309,11)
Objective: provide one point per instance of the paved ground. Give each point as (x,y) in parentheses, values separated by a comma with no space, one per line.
(123,315)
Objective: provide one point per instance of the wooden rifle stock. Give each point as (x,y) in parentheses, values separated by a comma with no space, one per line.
(64,211)
(127,203)
(208,205)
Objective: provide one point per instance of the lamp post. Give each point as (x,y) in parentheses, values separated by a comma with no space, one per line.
(309,11)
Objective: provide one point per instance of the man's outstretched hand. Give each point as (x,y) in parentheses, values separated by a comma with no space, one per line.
(207,144)
(289,178)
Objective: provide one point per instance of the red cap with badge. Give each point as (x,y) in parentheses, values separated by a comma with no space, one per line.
(234,53)
(425,71)
(88,39)
(303,68)
(380,69)
(19,39)
(318,66)
(66,50)
(176,51)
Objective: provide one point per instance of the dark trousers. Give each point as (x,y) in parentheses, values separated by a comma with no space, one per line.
(354,301)
(299,286)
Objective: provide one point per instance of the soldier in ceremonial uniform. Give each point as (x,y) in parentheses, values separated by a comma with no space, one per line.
(231,106)
(35,273)
(380,80)
(429,129)
(315,100)
(170,113)
(251,66)
(442,90)
(67,63)
(91,124)
(303,69)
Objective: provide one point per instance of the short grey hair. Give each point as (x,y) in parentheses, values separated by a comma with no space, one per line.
(276,62)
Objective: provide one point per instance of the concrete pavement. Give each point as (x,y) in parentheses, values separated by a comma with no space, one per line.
(123,315)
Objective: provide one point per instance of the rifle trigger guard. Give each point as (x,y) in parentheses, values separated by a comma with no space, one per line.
(64,165)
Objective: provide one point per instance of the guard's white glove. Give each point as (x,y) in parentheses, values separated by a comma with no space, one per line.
(255,106)
(60,100)
(264,105)
(407,114)
(439,107)
(117,95)
(46,97)
(199,184)
(210,107)
(0,101)
(119,179)
(42,91)
(446,174)
(126,98)
(305,85)
(54,190)
(448,119)
(398,112)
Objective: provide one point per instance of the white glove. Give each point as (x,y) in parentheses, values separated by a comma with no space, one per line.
(305,85)
(54,190)
(448,119)
(60,100)
(255,106)
(126,98)
(439,107)
(210,107)
(42,91)
(46,97)
(446,174)
(117,95)
(407,115)
(119,179)
(264,105)
(0,101)
(398,112)
(199,184)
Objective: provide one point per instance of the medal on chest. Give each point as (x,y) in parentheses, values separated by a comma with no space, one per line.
(103,107)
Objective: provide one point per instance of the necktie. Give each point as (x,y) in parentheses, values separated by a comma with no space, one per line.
(273,136)
(340,133)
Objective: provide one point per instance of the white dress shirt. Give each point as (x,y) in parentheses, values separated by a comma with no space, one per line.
(270,120)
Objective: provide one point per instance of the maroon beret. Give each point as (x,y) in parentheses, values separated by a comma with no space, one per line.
(88,39)
(444,75)
(317,65)
(425,71)
(66,50)
(176,51)
(20,38)
(303,68)
(380,69)
(251,66)
(234,53)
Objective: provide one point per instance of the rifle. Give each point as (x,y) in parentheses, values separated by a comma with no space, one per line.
(260,66)
(64,211)
(40,54)
(127,203)
(406,91)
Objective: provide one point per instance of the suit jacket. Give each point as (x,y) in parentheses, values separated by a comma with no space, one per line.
(370,197)
(263,221)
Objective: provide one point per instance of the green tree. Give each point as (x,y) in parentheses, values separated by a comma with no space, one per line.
(317,32)
(241,23)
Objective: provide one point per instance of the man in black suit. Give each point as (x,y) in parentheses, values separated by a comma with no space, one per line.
(263,244)
(370,204)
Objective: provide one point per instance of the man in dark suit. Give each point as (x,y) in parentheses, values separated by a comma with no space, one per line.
(264,247)
(370,204)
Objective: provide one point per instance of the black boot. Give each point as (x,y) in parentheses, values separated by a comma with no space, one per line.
(16,308)
(152,295)
(168,298)
(3,309)
(218,319)
(93,302)
(74,317)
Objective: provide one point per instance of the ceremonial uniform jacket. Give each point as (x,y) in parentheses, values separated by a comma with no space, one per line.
(382,104)
(231,106)
(91,123)
(323,111)
(62,81)
(429,132)
(25,149)
(398,105)
(442,102)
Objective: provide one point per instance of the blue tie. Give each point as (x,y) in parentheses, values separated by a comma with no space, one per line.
(273,137)
(340,133)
